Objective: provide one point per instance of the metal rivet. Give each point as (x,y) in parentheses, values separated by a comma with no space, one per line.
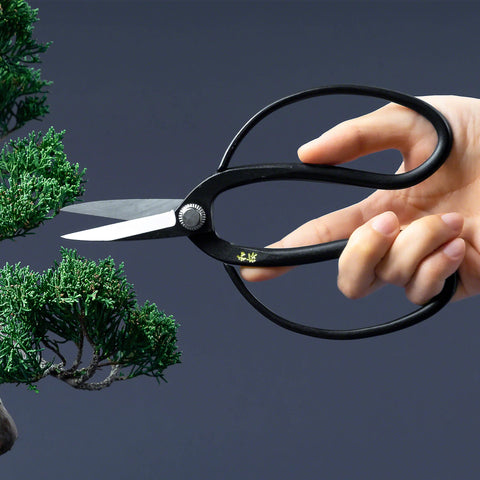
(192,216)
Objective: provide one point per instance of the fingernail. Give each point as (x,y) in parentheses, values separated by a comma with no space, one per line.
(453,220)
(454,249)
(386,223)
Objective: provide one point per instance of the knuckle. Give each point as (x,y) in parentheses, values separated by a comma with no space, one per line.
(394,276)
(416,298)
(364,244)
(367,250)
(322,231)
(429,227)
(354,129)
(432,224)
(350,289)
(358,134)
(421,296)
(428,282)
(430,271)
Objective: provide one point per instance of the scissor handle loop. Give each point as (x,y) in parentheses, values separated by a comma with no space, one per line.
(352,177)
(408,320)
(439,122)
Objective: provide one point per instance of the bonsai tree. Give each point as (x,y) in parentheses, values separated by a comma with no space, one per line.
(78,301)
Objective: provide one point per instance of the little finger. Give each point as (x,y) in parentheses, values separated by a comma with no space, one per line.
(432,272)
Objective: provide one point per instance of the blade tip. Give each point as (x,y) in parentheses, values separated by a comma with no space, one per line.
(77,237)
(68,236)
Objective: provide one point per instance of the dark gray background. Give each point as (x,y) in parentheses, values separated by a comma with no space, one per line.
(150,94)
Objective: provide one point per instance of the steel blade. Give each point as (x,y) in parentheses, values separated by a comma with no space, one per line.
(125,209)
(123,230)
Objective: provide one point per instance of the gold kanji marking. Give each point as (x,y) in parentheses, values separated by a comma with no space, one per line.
(247,257)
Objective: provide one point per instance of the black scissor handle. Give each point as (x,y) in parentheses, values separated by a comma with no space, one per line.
(231,254)
(408,320)
(442,127)
(227,178)
(204,195)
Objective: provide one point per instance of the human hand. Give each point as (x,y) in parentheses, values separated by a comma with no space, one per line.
(415,237)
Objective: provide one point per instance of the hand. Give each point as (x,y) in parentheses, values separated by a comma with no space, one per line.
(416,237)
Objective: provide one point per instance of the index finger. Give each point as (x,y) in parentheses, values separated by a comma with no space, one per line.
(333,226)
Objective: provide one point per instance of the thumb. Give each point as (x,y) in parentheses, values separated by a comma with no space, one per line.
(390,127)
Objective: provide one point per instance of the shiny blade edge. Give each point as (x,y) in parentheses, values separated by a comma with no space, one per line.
(127,209)
(123,230)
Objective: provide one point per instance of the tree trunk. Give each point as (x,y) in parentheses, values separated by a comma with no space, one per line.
(8,430)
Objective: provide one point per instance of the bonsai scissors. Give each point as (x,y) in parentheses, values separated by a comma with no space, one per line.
(192,216)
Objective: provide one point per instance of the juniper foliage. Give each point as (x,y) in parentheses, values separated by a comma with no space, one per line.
(36,181)
(22,89)
(86,304)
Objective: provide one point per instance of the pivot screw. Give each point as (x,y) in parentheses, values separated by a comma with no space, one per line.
(192,216)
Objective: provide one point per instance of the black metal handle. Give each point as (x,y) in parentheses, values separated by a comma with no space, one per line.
(442,127)
(227,178)
(417,316)
(232,254)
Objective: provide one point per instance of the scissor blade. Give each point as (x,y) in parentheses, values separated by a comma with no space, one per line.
(125,209)
(125,230)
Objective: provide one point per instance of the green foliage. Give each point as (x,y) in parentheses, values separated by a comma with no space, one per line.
(92,306)
(20,328)
(22,90)
(146,342)
(36,181)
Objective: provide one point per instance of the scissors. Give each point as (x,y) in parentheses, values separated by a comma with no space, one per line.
(192,216)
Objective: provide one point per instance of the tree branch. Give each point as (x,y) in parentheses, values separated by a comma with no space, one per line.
(53,346)
(78,359)
(112,377)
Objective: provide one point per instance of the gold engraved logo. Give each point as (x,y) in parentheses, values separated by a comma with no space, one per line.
(247,257)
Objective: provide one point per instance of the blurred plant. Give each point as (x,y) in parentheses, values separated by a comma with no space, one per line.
(22,90)
(76,302)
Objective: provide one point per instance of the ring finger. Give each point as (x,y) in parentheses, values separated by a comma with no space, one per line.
(416,242)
